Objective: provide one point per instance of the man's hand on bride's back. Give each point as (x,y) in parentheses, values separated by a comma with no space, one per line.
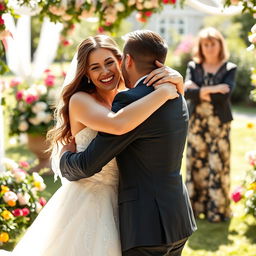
(169,89)
(165,74)
(69,147)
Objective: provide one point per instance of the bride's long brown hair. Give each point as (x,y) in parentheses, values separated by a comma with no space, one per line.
(62,133)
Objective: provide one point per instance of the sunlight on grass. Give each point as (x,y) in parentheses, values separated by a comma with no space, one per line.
(238,236)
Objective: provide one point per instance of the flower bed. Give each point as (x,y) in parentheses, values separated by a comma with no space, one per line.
(20,199)
(246,193)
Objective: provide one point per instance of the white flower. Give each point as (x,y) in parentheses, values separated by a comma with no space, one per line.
(41,116)
(120,7)
(37,177)
(19,175)
(21,106)
(148,5)
(250,156)
(10,196)
(48,118)
(252,38)
(31,91)
(23,126)
(10,164)
(38,207)
(23,198)
(39,106)
(41,89)
(131,2)
(34,120)
(248,193)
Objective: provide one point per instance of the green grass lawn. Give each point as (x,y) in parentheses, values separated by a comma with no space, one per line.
(236,237)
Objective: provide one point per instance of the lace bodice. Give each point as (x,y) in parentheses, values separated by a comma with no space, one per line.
(109,173)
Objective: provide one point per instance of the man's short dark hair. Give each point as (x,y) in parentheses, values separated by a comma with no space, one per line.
(145,47)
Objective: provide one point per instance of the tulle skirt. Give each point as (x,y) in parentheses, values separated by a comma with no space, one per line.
(79,220)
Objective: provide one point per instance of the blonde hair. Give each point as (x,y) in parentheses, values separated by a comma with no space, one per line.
(210,33)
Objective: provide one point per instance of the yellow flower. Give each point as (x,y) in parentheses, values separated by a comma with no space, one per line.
(252,186)
(11,203)
(4,189)
(250,125)
(4,237)
(37,184)
(6,214)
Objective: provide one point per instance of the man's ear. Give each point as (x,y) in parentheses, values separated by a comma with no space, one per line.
(128,60)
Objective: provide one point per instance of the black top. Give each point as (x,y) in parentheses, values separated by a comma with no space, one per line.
(154,206)
(221,102)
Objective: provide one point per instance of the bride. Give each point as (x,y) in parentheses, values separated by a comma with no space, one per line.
(85,211)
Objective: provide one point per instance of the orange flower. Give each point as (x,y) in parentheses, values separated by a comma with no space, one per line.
(6,215)
(4,189)
(4,237)
(11,203)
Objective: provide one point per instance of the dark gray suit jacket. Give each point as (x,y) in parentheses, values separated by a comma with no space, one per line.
(154,208)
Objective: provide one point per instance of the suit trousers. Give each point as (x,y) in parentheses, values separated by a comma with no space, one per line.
(174,249)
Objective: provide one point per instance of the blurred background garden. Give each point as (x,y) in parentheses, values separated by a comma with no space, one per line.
(28,88)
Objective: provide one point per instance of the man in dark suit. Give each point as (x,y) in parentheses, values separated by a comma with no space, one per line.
(154,209)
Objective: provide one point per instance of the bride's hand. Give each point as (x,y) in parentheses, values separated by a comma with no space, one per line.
(165,74)
(69,147)
(170,90)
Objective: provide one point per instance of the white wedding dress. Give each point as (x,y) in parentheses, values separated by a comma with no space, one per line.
(80,219)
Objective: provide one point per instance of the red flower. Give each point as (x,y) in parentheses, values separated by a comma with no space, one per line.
(100,29)
(25,211)
(19,95)
(42,201)
(165,1)
(237,195)
(1,21)
(2,7)
(140,17)
(148,13)
(66,42)
(17,212)
(31,98)
(173,1)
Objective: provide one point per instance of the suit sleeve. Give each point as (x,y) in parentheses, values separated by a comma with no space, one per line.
(102,149)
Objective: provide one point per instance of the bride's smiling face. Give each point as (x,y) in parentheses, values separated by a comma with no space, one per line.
(103,69)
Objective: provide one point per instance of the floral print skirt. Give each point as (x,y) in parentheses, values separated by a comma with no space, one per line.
(208,164)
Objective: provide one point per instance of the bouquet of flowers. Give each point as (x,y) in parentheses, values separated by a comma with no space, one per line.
(31,111)
(247,192)
(20,200)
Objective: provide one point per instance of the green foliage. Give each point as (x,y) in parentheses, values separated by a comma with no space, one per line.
(244,61)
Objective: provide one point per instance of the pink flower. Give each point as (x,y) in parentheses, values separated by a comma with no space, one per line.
(47,70)
(15,82)
(17,212)
(42,201)
(25,211)
(19,95)
(63,73)
(237,194)
(31,98)
(24,164)
(49,80)
(1,21)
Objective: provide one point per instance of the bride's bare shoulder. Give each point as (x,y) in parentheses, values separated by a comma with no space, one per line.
(81,100)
